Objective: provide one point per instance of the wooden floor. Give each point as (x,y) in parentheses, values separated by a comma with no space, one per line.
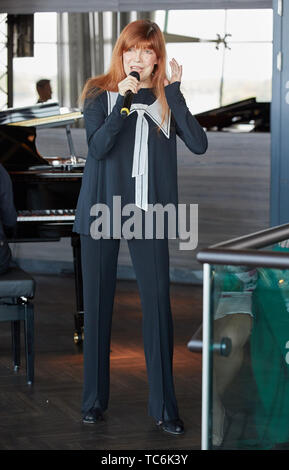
(47,416)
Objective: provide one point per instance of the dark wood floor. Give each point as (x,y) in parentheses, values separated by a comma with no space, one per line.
(47,416)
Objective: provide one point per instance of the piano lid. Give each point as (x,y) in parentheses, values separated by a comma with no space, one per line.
(18,149)
(50,121)
(18,133)
(245,111)
(40,110)
(47,114)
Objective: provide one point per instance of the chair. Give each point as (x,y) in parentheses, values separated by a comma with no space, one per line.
(16,289)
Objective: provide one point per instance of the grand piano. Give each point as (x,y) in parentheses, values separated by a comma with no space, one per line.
(230,116)
(45,189)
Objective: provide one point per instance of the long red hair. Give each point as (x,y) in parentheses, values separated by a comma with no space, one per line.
(142,34)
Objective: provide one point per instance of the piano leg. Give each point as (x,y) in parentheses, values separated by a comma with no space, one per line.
(78,316)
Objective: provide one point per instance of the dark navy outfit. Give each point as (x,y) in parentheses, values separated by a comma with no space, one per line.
(129,158)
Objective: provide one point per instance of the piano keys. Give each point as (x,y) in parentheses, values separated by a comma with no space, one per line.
(49,215)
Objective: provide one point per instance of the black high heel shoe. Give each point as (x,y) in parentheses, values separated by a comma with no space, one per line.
(92,416)
(173,426)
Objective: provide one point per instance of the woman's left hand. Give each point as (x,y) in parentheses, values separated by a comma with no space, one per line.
(176,74)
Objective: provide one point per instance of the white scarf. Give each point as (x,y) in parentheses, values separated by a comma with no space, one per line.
(140,156)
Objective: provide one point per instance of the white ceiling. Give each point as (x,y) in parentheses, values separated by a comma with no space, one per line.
(31,6)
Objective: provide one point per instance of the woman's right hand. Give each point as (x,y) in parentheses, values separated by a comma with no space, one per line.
(129,83)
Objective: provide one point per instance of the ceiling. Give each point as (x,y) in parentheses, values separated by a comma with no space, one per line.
(32,6)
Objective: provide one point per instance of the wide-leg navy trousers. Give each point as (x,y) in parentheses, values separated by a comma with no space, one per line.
(150,259)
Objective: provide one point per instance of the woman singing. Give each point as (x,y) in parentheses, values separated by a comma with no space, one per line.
(135,159)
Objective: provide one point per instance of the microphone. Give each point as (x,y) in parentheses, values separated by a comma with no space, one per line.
(128,97)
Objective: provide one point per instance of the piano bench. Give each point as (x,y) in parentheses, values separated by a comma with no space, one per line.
(17,288)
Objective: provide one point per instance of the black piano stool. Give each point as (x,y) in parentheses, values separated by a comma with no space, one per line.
(17,288)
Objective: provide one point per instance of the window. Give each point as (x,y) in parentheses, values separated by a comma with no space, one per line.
(216,77)
(28,70)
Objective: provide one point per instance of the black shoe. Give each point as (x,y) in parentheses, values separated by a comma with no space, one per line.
(92,416)
(173,426)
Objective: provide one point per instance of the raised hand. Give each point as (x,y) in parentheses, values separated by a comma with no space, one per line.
(176,72)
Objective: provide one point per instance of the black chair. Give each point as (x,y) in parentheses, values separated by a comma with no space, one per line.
(17,288)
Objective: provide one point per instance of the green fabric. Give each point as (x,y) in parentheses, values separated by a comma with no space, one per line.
(228,279)
(269,348)
(269,345)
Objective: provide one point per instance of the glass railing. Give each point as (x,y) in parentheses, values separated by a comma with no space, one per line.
(245,342)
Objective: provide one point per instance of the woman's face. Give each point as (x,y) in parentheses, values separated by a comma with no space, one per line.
(142,61)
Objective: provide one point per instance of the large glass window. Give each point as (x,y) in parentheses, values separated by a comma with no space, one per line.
(215,77)
(28,70)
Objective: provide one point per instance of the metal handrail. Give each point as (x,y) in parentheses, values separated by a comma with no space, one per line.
(258,239)
(271,259)
(242,250)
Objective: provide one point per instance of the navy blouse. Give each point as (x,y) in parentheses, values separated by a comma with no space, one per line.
(111,144)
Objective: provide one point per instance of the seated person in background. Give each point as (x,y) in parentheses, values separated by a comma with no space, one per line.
(8,218)
(44,90)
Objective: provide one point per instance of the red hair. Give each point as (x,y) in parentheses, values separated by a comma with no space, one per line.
(142,34)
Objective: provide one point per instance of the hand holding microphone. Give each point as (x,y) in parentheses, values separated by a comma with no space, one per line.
(127,88)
